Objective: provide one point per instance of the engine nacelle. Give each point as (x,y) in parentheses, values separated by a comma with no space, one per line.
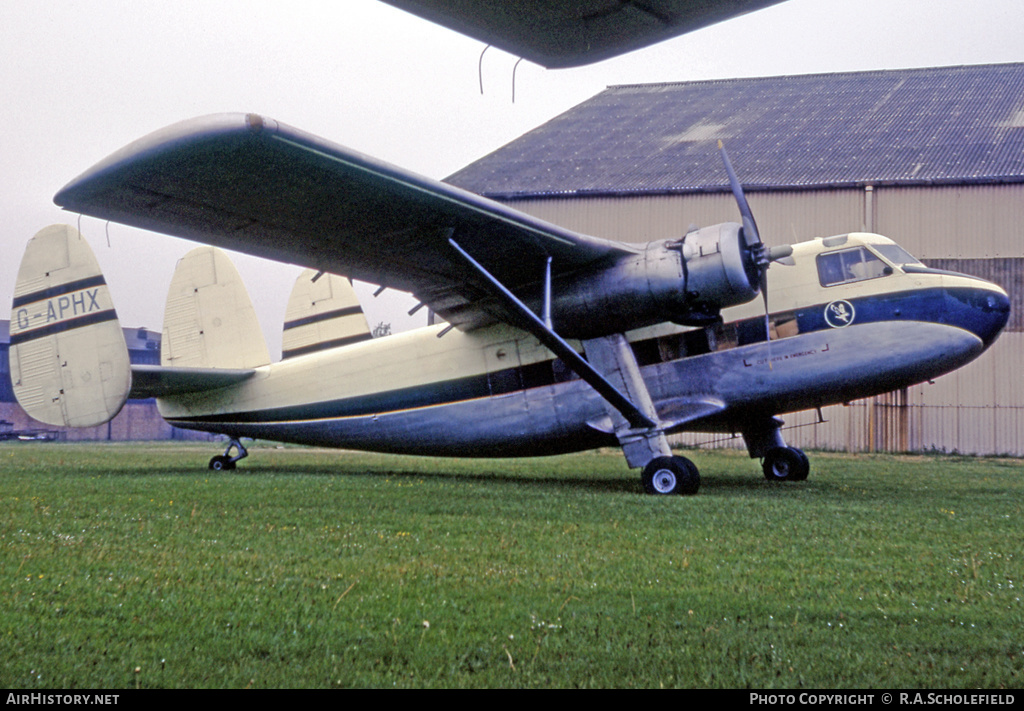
(720,270)
(686,281)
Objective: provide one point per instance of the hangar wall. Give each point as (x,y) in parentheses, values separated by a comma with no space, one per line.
(975,229)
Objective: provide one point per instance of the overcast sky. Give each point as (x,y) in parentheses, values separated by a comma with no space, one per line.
(82,78)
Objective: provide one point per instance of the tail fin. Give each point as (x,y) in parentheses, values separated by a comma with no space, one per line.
(209,321)
(69,361)
(323,312)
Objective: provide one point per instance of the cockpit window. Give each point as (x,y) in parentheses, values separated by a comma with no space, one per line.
(850,265)
(895,254)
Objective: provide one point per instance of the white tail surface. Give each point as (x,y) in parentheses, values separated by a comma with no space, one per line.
(323,312)
(69,361)
(209,320)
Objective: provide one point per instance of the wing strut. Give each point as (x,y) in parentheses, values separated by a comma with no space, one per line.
(546,335)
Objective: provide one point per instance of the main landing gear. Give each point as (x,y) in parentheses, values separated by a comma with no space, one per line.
(226,462)
(671,475)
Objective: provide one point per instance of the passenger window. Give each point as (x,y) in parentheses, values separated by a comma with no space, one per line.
(850,265)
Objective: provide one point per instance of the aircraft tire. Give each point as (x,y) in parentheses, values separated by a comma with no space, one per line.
(785,464)
(671,475)
(221,463)
(805,467)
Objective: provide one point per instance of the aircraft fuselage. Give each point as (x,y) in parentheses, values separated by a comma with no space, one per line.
(845,324)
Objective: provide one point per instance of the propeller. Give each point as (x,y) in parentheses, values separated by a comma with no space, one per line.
(762,255)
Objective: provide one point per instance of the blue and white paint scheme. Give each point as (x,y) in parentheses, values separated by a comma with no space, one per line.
(552,341)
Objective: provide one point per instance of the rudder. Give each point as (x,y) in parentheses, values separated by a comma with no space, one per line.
(209,320)
(69,360)
(323,312)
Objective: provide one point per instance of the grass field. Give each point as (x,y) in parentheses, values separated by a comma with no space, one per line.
(130,566)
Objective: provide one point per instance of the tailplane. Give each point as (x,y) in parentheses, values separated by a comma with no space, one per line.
(69,360)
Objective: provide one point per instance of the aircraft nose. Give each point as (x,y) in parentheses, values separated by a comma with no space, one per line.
(991,312)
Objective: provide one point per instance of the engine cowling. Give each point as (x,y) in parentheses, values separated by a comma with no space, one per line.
(721,270)
(686,281)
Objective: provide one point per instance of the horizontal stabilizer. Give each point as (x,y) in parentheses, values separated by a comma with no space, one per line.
(69,361)
(160,381)
(323,312)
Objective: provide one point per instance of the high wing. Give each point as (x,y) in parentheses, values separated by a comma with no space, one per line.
(569,33)
(251,184)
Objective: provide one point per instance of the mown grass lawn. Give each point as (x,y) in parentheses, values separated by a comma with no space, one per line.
(134,566)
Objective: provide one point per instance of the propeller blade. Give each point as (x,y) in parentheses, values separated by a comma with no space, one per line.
(750,232)
(763,256)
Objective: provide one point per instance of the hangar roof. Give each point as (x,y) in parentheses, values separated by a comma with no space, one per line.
(947,125)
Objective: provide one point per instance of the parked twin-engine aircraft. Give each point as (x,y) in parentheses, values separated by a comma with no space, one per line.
(554,341)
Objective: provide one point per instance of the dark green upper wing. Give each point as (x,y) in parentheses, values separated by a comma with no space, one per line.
(570,33)
(254,185)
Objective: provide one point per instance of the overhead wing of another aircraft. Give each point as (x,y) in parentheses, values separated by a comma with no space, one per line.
(251,184)
(569,33)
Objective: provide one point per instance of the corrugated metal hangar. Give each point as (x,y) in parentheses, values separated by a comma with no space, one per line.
(933,158)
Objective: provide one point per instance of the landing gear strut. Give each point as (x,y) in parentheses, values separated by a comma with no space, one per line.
(671,475)
(226,462)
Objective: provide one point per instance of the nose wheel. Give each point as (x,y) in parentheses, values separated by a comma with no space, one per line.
(671,475)
(785,464)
